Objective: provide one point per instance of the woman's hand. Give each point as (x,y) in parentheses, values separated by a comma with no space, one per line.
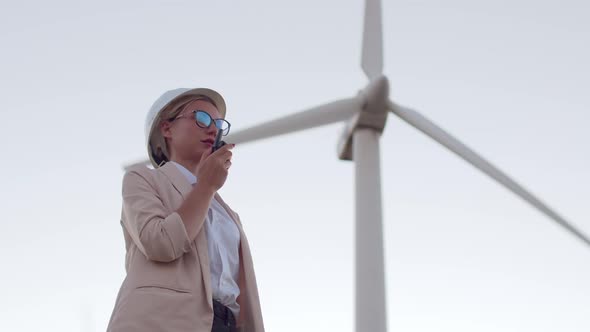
(211,175)
(213,167)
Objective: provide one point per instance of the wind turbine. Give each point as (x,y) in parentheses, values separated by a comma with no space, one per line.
(365,116)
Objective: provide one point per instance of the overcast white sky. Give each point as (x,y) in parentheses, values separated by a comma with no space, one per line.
(508,78)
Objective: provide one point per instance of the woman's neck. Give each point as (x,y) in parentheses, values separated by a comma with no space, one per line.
(190,165)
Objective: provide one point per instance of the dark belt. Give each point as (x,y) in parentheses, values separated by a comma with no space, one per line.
(224,313)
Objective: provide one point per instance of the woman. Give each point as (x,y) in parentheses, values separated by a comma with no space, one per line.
(188,262)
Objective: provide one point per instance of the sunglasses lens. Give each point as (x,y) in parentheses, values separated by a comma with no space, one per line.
(203,119)
(223,125)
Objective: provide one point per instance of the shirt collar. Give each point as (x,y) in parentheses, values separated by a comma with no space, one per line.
(191,178)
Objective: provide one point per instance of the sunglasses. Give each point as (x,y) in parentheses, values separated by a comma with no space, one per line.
(204,120)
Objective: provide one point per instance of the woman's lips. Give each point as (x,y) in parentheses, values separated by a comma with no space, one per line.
(208,143)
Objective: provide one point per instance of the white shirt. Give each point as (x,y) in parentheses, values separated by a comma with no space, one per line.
(223,241)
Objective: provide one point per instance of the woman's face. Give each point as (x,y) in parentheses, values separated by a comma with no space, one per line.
(186,140)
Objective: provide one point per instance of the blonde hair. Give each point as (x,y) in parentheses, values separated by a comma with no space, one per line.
(158,143)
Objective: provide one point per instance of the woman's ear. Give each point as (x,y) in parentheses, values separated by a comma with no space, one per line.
(166,129)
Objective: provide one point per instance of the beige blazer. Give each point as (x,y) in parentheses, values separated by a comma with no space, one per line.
(167,287)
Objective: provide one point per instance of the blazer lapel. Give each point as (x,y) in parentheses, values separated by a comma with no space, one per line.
(177,179)
(250,317)
(229,211)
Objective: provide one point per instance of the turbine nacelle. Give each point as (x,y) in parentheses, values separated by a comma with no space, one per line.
(373,114)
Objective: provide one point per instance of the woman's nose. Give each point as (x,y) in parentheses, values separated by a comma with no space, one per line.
(212,130)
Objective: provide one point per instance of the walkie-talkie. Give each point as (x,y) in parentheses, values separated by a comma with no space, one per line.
(218,142)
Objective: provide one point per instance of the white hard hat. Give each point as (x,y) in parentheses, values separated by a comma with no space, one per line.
(161,103)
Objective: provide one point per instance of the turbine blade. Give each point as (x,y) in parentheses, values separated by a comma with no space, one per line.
(421,123)
(318,116)
(372,53)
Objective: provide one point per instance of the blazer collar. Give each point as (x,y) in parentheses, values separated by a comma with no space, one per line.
(177,179)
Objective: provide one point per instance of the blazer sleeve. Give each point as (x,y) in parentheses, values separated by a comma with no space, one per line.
(159,234)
